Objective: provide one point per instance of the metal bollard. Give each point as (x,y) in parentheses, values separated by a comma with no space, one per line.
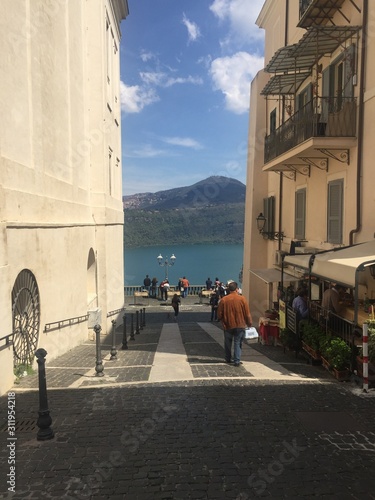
(144,316)
(137,323)
(99,365)
(44,421)
(140,319)
(113,350)
(124,339)
(132,327)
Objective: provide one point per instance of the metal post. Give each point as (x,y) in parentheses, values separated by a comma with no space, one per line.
(132,327)
(144,316)
(113,350)
(44,421)
(99,365)
(140,319)
(365,356)
(124,339)
(137,322)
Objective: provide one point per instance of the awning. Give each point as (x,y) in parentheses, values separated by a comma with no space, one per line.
(271,275)
(285,84)
(315,43)
(340,266)
(319,12)
(298,260)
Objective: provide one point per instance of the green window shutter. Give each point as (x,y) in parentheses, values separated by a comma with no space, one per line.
(269,214)
(335,211)
(300,214)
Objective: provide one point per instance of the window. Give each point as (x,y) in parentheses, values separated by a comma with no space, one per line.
(269,214)
(300,214)
(335,211)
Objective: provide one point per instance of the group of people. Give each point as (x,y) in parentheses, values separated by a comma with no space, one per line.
(151,285)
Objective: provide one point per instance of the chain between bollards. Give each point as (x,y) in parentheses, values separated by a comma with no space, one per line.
(113,350)
(99,365)
(124,339)
(44,421)
(132,327)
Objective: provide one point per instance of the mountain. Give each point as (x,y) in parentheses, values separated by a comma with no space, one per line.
(210,211)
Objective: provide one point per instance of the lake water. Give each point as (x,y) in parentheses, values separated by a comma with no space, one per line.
(196,262)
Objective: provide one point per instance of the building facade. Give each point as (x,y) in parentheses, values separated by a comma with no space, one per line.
(61,225)
(311,147)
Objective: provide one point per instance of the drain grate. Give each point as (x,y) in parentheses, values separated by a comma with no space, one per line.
(23,425)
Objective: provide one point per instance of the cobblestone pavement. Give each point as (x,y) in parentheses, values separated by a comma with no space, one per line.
(276,427)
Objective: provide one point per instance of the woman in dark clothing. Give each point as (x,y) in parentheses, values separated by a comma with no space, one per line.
(176,305)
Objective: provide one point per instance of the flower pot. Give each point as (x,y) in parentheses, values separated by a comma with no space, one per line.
(326,363)
(341,375)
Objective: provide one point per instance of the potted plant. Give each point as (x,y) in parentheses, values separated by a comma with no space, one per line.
(312,338)
(336,357)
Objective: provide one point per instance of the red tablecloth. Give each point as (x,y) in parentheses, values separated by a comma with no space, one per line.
(268,330)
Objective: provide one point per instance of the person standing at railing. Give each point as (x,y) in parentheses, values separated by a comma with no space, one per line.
(185,284)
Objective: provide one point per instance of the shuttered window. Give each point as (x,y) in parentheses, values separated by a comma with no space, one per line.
(269,214)
(335,211)
(300,214)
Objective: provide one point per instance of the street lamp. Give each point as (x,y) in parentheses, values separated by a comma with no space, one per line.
(167,262)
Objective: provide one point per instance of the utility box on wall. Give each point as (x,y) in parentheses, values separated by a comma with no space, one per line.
(95,317)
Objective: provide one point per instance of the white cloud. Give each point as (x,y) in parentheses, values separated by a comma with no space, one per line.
(192,28)
(146,151)
(135,98)
(164,80)
(232,76)
(147,56)
(183,141)
(241,15)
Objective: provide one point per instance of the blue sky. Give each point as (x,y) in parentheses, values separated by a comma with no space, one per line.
(186,68)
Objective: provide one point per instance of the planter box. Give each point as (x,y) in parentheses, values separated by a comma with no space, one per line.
(340,375)
(314,354)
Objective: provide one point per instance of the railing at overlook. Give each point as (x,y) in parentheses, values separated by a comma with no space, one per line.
(193,289)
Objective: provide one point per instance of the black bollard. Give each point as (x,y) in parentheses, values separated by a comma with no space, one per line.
(44,421)
(113,350)
(124,339)
(137,322)
(144,316)
(140,319)
(132,328)
(99,365)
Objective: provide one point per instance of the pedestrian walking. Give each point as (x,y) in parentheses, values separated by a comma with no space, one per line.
(176,305)
(214,302)
(235,316)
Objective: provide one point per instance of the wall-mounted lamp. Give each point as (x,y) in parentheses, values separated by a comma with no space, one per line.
(270,235)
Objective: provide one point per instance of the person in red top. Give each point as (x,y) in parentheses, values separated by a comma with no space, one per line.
(185,284)
(235,316)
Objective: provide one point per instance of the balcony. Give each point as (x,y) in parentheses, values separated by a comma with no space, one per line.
(323,117)
(318,12)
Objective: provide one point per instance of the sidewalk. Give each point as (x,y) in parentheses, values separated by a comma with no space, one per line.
(170,420)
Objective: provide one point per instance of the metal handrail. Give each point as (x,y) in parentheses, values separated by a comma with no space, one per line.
(7,338)
(56,325)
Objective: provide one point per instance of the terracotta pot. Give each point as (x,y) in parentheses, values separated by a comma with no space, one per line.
(314,354)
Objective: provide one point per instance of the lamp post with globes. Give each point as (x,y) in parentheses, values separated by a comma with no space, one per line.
(166,262)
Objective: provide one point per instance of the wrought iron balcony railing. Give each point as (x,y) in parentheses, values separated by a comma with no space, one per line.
(321,117)
(303,6)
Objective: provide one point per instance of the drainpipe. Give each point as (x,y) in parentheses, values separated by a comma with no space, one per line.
(281,174)
(361,119)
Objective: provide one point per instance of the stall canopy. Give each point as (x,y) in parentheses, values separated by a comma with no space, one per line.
(271,275)
(341,265)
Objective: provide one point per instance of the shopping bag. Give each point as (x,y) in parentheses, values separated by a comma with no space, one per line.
(251,335)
